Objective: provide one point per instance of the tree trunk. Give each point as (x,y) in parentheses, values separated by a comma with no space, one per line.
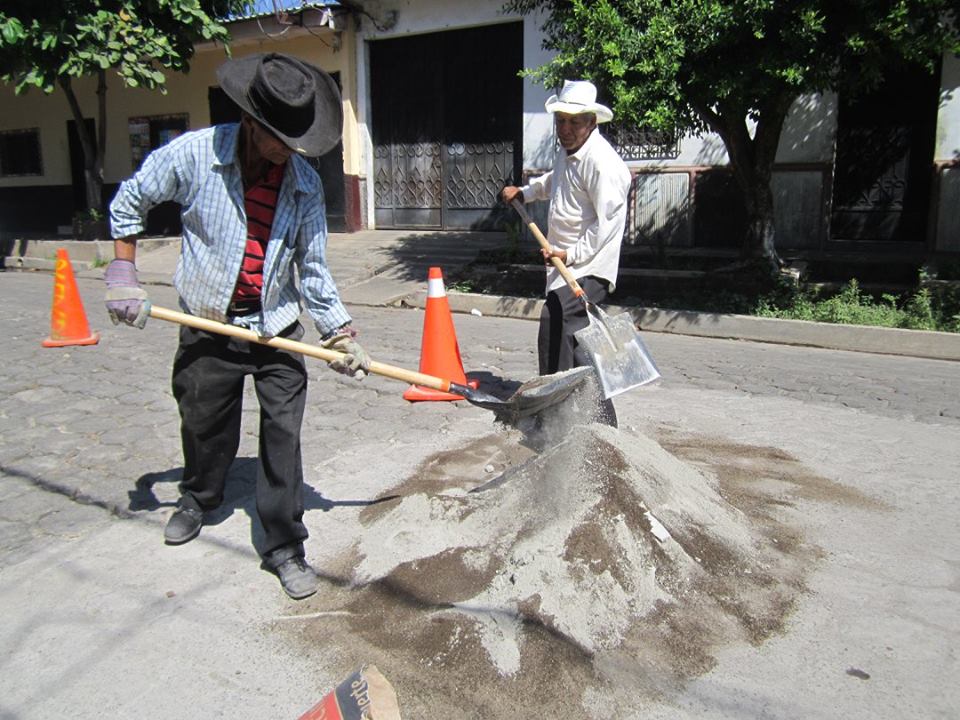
(752,160)
(92,173)
(101,135)
(759,241)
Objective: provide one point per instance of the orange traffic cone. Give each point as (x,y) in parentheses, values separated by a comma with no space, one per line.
(439,352)
(68,321)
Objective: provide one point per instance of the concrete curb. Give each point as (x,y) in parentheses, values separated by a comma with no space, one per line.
(369,292)
(85,255)
(854,338)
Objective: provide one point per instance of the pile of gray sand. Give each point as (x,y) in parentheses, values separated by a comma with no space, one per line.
(557,567)
(597,539)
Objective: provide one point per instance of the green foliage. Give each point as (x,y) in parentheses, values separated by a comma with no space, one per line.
(923,309)
(89,215)
(463,286)
(44,43)
(670,64)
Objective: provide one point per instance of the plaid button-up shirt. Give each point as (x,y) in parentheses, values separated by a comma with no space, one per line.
(200,170)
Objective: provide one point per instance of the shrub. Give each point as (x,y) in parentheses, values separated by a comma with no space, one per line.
(921,310)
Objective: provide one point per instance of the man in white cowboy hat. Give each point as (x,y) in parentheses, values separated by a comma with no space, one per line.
(587,189)
(254,232)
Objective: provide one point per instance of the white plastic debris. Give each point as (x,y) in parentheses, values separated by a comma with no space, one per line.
(657,528)
(476,312)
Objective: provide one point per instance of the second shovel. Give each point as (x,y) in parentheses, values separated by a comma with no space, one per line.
(613,345)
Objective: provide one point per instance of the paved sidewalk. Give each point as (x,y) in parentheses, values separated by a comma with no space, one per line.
(381,268)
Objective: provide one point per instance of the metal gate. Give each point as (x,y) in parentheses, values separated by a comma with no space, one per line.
(447,126)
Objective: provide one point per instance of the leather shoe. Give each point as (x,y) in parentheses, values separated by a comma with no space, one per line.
(298,579)
(184,525)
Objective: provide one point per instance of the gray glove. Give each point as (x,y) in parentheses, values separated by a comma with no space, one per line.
(127,302)
(355,362)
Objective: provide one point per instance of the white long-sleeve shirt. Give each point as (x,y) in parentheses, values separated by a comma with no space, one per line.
(588,209)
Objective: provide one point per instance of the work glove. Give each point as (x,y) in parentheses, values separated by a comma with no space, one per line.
(127,302)
(355,361)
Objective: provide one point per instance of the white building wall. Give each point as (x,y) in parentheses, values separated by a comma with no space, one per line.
(538,136)
(948,119)
(948,151)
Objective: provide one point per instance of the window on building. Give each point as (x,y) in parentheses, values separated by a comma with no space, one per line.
(150,132)
(20,152)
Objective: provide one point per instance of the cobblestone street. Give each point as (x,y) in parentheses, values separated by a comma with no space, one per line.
(103,620)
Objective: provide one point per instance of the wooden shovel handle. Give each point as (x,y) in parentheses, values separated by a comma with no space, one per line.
(315,351)
(557,262)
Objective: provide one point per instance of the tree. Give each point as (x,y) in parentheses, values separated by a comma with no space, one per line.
(735,67)
(45,45)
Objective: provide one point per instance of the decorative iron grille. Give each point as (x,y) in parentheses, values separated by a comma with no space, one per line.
(637,143)
(476,172)
(407,175)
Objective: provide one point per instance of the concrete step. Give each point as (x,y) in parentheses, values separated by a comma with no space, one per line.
(33,263)
(91,251)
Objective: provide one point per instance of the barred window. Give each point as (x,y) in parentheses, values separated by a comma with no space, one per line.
(20,152)
(638,143)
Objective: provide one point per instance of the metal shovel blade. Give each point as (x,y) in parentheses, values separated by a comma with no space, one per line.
(531,398)
(616,351)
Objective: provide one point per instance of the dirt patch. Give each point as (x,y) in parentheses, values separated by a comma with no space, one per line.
(514,578)
(742,470)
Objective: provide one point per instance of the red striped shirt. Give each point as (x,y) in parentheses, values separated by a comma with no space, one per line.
(260,202)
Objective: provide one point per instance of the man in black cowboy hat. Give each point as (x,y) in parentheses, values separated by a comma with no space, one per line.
(254,232)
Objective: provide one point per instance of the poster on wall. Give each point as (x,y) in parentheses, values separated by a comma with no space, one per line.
(139,129)
(149,133)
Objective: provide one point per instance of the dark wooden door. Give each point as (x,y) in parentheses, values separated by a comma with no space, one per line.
(883,169)
(447,113)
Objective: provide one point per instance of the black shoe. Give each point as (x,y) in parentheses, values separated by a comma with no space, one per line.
(299,580)
(183,526)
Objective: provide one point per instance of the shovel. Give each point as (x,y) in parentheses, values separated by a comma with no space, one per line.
(529,399)
(612,344)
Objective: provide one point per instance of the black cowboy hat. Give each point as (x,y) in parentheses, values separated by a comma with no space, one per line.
(298,102)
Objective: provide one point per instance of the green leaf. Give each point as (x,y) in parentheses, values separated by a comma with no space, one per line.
(12,31)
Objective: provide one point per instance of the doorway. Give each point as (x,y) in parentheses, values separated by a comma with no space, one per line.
(884,161)
(447,125)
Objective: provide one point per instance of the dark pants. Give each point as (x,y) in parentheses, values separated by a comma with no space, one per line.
(562,316)
(208,377)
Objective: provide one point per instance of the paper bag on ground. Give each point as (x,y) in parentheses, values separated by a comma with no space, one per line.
(365,695)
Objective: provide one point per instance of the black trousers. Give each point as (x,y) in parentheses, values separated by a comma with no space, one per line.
(564,314)
(208,377)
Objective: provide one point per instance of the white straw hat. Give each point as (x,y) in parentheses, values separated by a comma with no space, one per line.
(577,97)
